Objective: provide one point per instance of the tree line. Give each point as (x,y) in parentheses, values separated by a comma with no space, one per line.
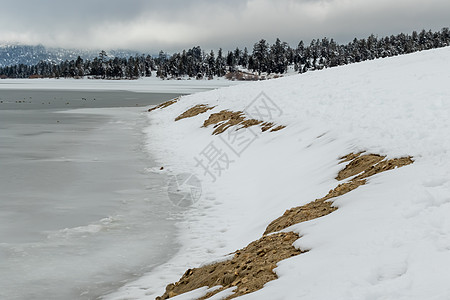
(264,59)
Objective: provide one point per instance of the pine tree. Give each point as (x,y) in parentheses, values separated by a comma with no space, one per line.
(260,56)
(231,62)
(237,56)
(211,64)
(244,58)
(220,64)
(278,62)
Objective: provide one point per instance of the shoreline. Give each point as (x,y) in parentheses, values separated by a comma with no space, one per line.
(369,107)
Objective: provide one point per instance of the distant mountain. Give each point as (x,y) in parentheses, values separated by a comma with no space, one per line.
(11,54)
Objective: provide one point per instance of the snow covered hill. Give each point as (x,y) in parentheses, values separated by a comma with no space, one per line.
(388,238)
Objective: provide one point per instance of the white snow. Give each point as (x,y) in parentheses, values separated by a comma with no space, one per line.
(389,239)
(200,292)
(146,84)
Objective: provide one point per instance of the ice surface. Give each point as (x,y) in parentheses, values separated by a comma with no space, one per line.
(79,212)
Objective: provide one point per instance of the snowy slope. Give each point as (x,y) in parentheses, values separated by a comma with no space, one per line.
(389,239)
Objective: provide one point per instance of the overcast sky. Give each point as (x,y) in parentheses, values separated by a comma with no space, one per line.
(173,25)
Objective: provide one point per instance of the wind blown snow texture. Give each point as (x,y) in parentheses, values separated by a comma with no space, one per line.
(389,239)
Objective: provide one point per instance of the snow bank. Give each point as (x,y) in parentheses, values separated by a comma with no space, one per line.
(389,239)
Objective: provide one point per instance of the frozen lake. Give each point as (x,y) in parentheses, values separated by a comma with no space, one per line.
(80,211)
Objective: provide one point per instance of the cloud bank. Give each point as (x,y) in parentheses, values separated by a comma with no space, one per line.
(149,25)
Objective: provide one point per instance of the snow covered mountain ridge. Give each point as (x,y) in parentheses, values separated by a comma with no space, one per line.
(387,239)
(15,54)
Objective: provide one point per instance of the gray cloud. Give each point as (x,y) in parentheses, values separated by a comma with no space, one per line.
(149,25)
